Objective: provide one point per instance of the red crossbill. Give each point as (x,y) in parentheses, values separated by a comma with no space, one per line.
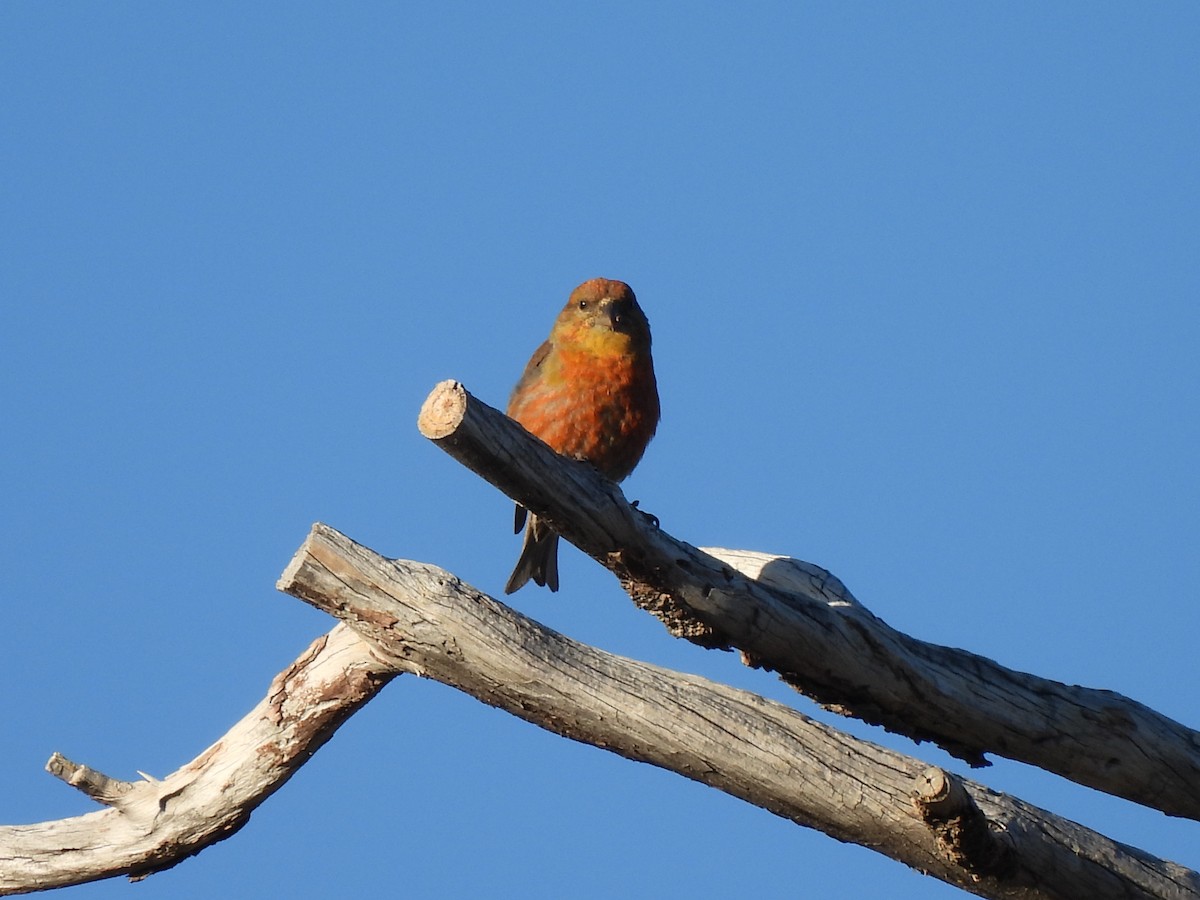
(589,392)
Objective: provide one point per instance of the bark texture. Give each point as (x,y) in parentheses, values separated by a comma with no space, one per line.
(425,620)
(410,617)
(153,824)
(782,614)
(799,620)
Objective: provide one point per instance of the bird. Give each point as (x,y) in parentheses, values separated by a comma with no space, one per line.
(589,392)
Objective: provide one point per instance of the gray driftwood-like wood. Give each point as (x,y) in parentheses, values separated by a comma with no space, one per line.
(153,824)
(426,621)
(823,642)
(783,614)
(409,617)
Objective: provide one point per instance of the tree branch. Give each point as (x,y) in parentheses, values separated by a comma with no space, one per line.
(425,620)
(821,640)
(152,825)
(421,619)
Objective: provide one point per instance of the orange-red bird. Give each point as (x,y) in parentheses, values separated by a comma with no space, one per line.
(589,392)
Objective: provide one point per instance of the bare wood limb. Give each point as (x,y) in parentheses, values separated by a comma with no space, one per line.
(417,618)
(821,641)
(154,824)
(425,620)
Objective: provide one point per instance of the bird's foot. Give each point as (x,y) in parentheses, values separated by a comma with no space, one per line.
(650,517)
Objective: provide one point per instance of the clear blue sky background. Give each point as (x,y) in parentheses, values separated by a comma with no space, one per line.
(923,280)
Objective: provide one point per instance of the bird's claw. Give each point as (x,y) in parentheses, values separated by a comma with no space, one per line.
(650,517)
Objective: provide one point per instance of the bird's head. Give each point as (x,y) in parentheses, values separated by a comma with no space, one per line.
(603,315)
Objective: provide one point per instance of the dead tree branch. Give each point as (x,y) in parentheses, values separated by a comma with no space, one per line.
(783,614)
(821,641)
(411,617)
(153,824)
(425,620)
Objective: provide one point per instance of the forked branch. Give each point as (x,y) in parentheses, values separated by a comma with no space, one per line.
(411,617)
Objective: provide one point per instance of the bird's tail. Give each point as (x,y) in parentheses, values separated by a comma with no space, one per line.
(539,556)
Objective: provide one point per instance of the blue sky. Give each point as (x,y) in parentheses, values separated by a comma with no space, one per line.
(923,280)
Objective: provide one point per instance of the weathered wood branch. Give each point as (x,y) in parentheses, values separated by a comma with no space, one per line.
(824,643)
(154,824)
(410,617)
(425,620)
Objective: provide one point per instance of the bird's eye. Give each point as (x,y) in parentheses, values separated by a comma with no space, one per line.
(583,304)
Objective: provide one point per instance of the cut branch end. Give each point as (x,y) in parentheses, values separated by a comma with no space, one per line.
(443,410)
(96,785)
(959,826)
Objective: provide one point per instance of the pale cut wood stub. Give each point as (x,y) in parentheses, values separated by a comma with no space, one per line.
(98,786)
(807,627)
(960,828)
(153,824)
(442,410)
(426,620)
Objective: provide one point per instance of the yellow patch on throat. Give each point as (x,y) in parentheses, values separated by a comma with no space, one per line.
(603,341)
